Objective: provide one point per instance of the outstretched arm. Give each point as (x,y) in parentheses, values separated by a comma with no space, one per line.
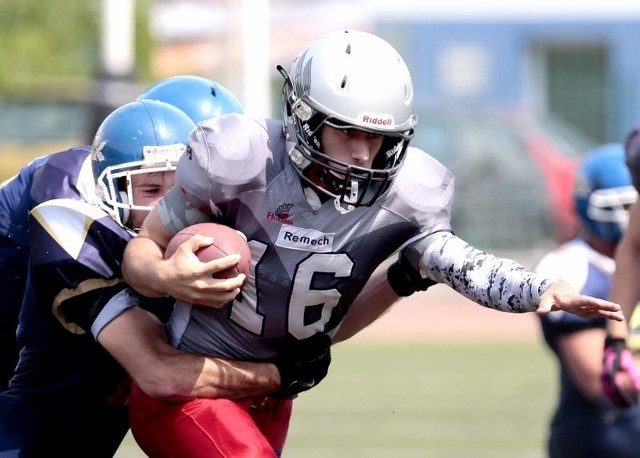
(498,283)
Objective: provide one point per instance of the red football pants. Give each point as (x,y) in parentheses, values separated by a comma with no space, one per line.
(206,427)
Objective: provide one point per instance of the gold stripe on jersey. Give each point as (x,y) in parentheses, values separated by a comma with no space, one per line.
(83,288)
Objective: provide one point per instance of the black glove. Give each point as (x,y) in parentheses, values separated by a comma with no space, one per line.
(303,364)
(405,279)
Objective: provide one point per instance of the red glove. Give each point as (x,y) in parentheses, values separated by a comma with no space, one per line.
(620,377)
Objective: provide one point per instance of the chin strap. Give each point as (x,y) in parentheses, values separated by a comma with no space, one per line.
(342,207)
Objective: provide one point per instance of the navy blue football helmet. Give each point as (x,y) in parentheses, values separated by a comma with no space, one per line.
(603,192)
(140,137)
(200,98)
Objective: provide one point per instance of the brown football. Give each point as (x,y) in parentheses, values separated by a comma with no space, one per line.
(226,241)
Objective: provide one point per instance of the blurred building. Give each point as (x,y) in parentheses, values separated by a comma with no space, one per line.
(576,61)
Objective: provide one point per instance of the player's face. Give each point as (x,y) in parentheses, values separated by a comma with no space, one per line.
(147,189)
(351,145)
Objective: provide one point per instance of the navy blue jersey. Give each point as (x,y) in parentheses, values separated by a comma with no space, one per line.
(62,175)
(581,427)
(75,257)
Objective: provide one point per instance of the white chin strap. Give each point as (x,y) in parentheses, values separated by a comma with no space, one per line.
(346,207)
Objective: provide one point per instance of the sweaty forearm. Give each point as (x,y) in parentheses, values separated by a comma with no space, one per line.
(493,282)
(138,342)
(181,375)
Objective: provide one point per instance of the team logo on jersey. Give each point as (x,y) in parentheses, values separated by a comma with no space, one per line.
(281,214)
(297,238)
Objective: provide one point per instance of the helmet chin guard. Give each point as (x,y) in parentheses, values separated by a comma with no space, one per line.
(348,80)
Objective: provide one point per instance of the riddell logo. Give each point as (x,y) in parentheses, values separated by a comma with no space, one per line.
(377,120)
(281,214)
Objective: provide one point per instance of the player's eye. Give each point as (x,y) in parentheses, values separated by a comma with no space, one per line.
(150,190)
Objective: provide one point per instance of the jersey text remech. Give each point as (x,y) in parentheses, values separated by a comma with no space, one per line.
(297,238)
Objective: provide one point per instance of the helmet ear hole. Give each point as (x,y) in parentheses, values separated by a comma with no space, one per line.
(124,210)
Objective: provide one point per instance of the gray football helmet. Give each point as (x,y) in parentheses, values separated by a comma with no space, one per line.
(348,80)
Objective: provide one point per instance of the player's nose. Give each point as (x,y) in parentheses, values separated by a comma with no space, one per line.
(359,148)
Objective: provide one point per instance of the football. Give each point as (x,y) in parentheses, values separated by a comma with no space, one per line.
(226,241)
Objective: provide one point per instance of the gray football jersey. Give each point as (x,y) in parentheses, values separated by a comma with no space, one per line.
(307,265)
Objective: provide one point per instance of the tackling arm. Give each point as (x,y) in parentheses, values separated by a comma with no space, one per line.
(137,341)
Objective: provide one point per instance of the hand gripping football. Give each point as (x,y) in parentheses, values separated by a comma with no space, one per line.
(226,241)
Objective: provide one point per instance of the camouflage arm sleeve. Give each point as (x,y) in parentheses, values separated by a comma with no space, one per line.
(497,283)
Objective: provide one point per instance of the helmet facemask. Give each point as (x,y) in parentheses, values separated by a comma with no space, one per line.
(114,184)
(141,137)
(609,209)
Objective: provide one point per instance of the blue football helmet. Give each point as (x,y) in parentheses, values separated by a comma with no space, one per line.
(603,192)
(140,137)
(200,98)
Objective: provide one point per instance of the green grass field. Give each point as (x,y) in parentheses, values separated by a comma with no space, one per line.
(445,400)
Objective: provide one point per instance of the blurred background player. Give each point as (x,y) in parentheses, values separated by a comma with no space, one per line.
(69,174)
(585,423)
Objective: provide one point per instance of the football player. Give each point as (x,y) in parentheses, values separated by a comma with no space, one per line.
(603,194)
(68,174)
(324,198)
(64,380)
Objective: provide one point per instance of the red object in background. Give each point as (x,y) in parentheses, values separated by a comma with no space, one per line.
(514,173)
(559,173)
